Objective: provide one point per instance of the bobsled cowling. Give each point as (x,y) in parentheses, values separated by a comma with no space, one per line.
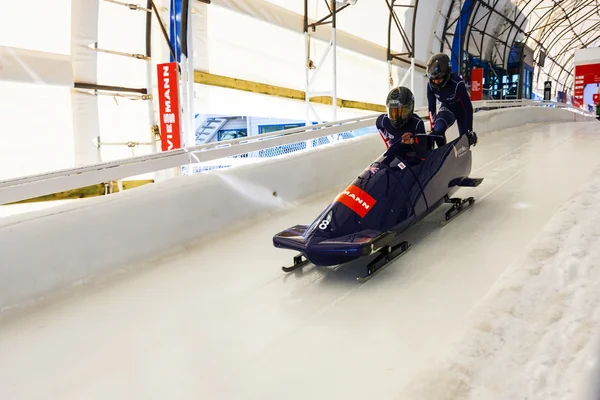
(393,193)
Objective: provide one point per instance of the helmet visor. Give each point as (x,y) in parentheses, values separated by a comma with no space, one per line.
(398,114)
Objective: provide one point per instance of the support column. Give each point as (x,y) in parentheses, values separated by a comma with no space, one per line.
(149,81)
(187,76)
(86,124)
(330,18)
(334,61)
(412,74)
(408,43)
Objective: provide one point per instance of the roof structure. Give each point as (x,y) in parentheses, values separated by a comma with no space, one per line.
(489,29)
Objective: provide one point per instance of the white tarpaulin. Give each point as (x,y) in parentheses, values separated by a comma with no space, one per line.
(36,133)
(272,51)
(30,66)
(362,28)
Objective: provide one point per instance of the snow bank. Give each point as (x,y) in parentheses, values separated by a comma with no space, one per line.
(535,335)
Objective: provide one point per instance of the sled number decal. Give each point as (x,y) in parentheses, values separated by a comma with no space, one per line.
(324,224)
(357,200)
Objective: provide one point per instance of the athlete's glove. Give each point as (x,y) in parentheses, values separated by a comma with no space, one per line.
(472,136)
(408,138)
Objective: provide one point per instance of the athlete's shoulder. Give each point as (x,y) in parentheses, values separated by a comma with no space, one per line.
(416,119)
(379,121)
(417,123)
(456,79)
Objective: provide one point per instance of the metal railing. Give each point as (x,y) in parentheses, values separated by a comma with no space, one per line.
(27,187)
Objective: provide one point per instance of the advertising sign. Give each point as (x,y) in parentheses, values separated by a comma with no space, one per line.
(168,100)
(477,84)
(357,200)
(584,75)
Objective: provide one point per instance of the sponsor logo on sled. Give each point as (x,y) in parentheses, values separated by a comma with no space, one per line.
(357,200)
(401,165)
(460,152)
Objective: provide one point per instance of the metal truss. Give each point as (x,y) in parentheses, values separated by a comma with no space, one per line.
(408,43)
(405,54)
(546,26)
(448,34)
(310,77)
(556,29)
(129,93)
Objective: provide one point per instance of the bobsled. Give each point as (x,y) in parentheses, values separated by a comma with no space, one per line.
(388,197)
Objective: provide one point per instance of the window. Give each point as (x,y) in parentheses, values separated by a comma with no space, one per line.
(527,80)
(278,127)
(229,134)
(278,150)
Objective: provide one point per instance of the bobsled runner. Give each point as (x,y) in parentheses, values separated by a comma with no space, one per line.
(392,194)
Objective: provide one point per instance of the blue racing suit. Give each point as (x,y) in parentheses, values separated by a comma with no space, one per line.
(393,136)
(456,106)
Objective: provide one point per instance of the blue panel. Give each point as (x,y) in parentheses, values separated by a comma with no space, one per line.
(459,33)
(515,54)
(175,27)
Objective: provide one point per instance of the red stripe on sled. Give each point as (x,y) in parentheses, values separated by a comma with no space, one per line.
(357,200)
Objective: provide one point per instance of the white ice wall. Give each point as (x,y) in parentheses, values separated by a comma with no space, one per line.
(51,250)
(100,235)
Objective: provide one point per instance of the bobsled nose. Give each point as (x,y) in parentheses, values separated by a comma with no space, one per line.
(291,238)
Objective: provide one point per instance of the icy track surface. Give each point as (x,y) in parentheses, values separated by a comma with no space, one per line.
(536,334)
(500,304)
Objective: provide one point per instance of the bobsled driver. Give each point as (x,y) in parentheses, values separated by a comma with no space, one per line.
(400,124)
(449,88)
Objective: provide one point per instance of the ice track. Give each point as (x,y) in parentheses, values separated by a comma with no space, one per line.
(220,320)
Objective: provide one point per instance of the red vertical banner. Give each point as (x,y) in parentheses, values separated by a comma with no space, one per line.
(168,101)
(477,84)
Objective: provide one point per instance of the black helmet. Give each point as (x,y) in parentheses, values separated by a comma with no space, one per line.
(439,67)
(400,104)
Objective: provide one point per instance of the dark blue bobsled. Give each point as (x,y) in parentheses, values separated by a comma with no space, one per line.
(389,196)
